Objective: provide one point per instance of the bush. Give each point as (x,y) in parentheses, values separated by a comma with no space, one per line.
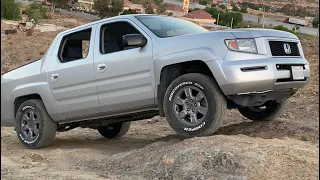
(10,10)
(243,10)
(225,17)
(36,11)
(315,22)
(129,11)
(295,28)
(282,28)
(235,8)
(203,2)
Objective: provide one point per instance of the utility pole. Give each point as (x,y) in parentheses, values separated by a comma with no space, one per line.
(231,22)
(218,19)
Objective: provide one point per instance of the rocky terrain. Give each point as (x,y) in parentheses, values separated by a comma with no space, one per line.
(286,148)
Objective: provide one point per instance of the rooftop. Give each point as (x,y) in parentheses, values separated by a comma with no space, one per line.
(198,14)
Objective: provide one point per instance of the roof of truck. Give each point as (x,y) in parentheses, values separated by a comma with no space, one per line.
(129,16)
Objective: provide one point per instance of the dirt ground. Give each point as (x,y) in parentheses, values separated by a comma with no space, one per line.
(286,148)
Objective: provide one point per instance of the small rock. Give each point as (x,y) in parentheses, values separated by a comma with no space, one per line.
(36,157)
(152,121)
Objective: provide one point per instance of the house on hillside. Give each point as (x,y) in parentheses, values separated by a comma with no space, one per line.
(177,11)
(200,17)
(86,4)
(129,5)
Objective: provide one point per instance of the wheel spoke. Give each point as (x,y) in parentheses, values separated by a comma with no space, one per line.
(24,127)
(188,92)
(25,117)
(199,97)
(30,133)
(31,114)
(35,131)
(183,114)
(202,110)
(178,101)
(193,118)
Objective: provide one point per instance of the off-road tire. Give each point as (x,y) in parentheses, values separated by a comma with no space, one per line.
(118,130)
(274,111)
(47,127)
(217,105)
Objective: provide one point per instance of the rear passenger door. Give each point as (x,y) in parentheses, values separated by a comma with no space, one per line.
(71,74)
(124,77)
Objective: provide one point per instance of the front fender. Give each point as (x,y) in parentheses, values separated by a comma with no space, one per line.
(202,54)
(41,88)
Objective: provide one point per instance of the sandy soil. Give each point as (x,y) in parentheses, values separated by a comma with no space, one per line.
(286,148)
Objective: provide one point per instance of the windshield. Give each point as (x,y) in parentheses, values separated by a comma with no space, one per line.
(164,27)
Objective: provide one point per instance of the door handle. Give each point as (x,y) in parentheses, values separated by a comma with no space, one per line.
(101,67)
(54,77)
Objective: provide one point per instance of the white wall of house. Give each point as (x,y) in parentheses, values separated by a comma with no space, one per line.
(200,21)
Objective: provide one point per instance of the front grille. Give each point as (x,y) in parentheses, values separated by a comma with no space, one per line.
(277,48)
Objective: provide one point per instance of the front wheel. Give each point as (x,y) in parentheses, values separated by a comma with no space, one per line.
(269,111)
(194,105)
(34,126)
(114,130)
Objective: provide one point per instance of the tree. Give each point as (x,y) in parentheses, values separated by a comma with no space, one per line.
(129,11)
(235,8)
(162,9)
(36,11)
(243,9)
(170,14)
(315,22)
(225,17)
(108,8)
(222,6)
(10,10)
(203,2)
(295,28)
(148,8)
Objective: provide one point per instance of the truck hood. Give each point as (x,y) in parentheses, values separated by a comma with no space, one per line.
(255,33)
(21,72)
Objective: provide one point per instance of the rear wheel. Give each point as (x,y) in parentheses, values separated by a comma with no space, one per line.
(34,126)
(194,105)
(114,130)
(269,111)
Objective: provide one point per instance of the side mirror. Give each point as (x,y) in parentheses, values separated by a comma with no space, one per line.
(133,40)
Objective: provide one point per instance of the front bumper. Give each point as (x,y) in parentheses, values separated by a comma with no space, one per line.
(257,75)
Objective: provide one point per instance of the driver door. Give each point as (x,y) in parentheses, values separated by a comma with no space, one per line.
(124,77)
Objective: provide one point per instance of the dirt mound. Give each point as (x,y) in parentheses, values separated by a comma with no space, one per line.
(217,157)
(239,150)
(166,157)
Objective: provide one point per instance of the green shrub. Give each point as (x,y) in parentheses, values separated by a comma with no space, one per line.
(282,28)
(295,28)
(315,22)
(225,18)
(10,10)
(36,11)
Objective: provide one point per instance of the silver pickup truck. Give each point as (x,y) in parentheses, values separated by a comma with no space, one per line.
(107,73)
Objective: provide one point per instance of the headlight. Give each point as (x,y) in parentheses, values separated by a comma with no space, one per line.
(242,45)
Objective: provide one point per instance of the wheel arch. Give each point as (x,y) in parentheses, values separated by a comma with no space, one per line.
(172,71)
(35,91)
